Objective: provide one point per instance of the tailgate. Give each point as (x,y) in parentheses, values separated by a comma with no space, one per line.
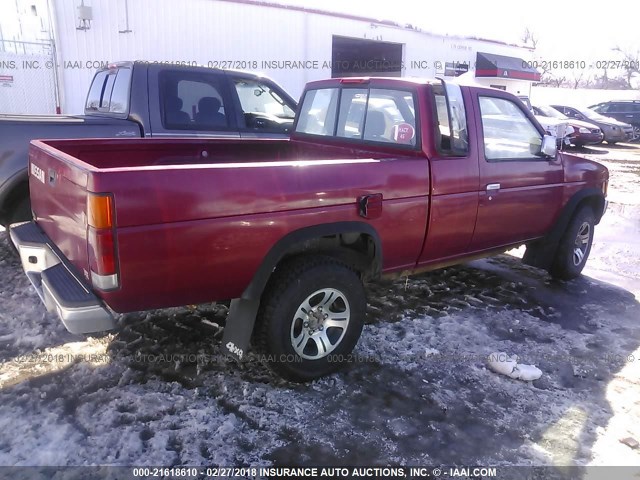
(58,190)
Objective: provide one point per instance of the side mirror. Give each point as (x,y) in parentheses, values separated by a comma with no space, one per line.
(549,147)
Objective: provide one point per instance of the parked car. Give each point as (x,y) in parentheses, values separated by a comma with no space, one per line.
(141,99)
(613,130)
(627,111)
(584,133)
(290,230)
(559,128)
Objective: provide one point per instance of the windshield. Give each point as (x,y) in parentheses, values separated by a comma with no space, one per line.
(256,97)
(548,111)
(594,115)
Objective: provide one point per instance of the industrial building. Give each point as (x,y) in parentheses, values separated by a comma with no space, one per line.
(50,49)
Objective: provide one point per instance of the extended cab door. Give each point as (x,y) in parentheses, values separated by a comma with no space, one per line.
(454,173)
(520,190)
(187,102)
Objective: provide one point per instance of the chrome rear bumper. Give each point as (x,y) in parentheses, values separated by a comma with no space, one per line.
(80,310)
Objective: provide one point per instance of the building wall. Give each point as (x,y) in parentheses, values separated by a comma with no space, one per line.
(212,33)
(236,35)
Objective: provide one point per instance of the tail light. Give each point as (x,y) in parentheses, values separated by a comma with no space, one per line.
(103,261)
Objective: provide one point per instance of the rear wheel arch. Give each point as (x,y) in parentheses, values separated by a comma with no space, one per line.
(14,200)
(311,317)
(356,244)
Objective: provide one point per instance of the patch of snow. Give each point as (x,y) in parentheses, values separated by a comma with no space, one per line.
(507,365)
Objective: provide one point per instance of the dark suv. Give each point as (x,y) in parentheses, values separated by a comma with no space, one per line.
(624,110)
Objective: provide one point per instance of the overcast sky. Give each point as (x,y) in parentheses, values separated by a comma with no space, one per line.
(572,30)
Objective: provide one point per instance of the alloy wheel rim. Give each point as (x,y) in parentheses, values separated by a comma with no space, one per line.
(320,323)
(581,244)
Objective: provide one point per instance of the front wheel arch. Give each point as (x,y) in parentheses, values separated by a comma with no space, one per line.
(541,253)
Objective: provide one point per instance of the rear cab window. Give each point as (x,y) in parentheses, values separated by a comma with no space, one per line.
(360,113)
(110,92)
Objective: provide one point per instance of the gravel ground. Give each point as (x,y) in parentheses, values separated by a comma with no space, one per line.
(417,391)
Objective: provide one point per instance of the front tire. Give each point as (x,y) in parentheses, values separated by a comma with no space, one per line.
(575,246)
(311,317)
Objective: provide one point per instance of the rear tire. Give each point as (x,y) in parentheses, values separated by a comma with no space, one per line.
(310,318)
(575,246)
(21,212)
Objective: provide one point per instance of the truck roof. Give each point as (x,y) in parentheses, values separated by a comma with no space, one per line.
(389,81)
(184,65)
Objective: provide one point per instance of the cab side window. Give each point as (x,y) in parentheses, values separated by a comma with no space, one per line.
(508,132)
(192,102)
(451,131)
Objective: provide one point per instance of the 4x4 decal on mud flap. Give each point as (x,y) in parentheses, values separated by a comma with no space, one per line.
(234,350)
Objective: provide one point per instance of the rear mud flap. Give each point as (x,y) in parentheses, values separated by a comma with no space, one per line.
(237,332)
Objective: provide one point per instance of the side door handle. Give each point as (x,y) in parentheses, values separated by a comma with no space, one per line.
(493,187)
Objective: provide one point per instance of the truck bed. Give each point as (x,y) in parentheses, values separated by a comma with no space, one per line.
(206,211)
(129,154)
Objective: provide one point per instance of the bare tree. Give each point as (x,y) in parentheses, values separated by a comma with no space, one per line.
(588,81)
(577,80)
(630,63)
(528,37)
(583,80)
(608,83)
(558,81)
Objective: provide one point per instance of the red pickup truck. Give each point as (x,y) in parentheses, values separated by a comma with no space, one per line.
(381,177)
